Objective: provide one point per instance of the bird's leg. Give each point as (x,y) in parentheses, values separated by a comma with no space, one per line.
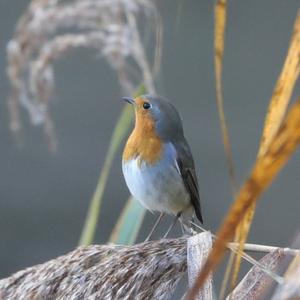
(182,228)
(192,227)
(154,227)
(188,227)
(172,225)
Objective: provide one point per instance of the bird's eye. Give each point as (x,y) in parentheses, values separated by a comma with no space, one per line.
(146,105)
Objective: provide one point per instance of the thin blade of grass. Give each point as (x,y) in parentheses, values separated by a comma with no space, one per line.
(119,133)
(291,287)
(220,24)
(256,281)
(264,171)
(129,223)
(234,262)
(274,118)
(158,47)
(241,238)
(227,274)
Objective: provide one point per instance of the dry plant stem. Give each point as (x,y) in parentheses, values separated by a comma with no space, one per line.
(141,57)
(256,247)
(267,249)
(234,247)
(274,118)
(220,24)
(291,288)
(227,274)
(220,12)
(266,168)
(278,148)
(241,236)
(283,90)
(255,283)
(158,45)
(256,263)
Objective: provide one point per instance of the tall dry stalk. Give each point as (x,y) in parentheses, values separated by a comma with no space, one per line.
(282,143)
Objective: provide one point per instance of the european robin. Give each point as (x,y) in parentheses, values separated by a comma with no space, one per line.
(157,163)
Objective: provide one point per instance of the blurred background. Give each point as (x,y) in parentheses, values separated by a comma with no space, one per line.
(44,196)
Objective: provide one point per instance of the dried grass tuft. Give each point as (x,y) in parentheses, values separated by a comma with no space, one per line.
(144,271)
(150,270)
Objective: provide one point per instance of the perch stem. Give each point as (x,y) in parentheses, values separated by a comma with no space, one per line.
(266,249)
(255,247)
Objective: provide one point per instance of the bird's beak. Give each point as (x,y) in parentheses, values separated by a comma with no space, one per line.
(129,100)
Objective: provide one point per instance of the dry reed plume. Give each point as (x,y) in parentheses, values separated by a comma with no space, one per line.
(50,29)
(144,271)
(150,270)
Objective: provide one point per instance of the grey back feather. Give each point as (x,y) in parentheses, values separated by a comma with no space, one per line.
(168,122)
(169,128)
(186,166)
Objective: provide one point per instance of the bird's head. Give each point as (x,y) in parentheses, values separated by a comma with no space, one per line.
(157,112)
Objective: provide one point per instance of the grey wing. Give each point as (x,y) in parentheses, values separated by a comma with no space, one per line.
(185,163)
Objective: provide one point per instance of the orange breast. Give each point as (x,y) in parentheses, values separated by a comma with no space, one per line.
(143,141)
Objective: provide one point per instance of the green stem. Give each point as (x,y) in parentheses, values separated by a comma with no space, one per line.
(119,133)
(129,223)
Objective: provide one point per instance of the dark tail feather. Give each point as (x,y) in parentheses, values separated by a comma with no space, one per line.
(198,213)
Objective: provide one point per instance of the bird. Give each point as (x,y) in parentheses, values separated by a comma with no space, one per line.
(157,162)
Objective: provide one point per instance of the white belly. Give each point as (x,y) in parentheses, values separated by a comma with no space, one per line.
(158,187)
